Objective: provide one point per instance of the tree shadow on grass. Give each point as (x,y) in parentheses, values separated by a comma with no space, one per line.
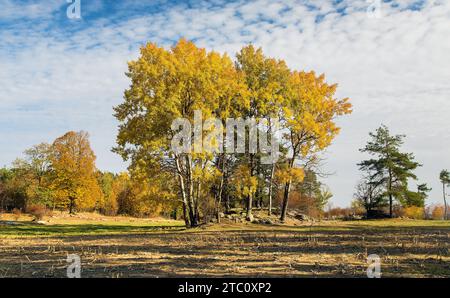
(32,229)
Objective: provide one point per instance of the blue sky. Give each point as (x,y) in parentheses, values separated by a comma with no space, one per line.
(59,74)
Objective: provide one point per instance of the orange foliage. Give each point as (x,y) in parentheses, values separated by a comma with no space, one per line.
(414,212)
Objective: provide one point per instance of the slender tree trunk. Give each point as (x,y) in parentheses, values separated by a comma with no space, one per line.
(175,214)
(250,197)
(191,207)
(219,196)
(368,202)
(218,202)
(183,193)
(190,194)
(249,206)
(390,194)
(287,189)
(390,206)
(218,215)
(71,205)
(185,215)
(258,194)
(196,202)
(272,171)
(445,201)
(257,200)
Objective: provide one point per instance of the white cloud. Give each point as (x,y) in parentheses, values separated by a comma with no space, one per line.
(12,10)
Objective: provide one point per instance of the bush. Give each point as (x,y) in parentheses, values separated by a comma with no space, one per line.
(37,211)
(438,212)
(398,211)
(378,214)
(17,213)
(207,209)
(304,204)
(414,212)
(339,213)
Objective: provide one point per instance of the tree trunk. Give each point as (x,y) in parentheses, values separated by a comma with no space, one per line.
(218,202)
(390,194)
(287,189)
(71,205)
(249,206)
(175,214)
(257,200)
(250,197)
(218,216)
(192,215)
(196,202)
(190,194)
(219,196)
(183,193)
(445,201)
(390,206)
(258,194)
(185,215)
(271,189)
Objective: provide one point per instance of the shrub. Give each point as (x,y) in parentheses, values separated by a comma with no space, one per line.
(414,212)
(358,210)
(438,212)
(339,213)
(37,211)
(399,211)
(17,213)
(377,214)
(304,204)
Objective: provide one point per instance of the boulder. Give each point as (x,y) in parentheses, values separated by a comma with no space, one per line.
(302,217)
(10,223)
(352,217)
(292,213)
(268,221)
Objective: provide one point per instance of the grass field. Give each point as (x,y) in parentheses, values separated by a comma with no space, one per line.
(128,247)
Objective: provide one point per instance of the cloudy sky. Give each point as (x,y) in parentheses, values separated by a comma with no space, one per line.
(392,58)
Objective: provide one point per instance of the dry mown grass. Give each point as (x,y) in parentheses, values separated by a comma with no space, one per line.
(164,249)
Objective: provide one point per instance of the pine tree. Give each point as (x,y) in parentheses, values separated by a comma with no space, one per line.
(445,180)
(389,167)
